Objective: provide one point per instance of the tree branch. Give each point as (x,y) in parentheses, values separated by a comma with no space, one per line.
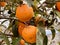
(11,18)
(8,35)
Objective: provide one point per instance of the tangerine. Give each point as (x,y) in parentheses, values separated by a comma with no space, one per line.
(3,4)
(20,28)
(22,42)
(29,34)
(58,6)
(24,12)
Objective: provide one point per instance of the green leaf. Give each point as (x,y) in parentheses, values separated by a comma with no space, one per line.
(27,43)
(10,24)
(59,43)
(41,23)
(15,30)
(5,38)
(15,41)
(33,44)
(3,26)
(42,30)
(53,33)
(35,2)
(58,30)
(29,2)
(39,39)
(12,15)
(45,40)
(3,21)
(38,0)
(57,13)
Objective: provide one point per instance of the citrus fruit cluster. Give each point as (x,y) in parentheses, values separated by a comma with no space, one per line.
(28,32)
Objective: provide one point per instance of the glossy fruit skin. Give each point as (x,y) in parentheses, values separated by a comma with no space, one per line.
(24,12)
(2,4)
(58,6)
(20,28)
(29,34)
(22,42)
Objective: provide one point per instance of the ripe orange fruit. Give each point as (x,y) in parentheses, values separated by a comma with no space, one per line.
(58,5)
(24,12)
(29,34)
(22,42)
(20,28)
(3,4)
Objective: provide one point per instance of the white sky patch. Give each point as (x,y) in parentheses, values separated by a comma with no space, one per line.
(42,1)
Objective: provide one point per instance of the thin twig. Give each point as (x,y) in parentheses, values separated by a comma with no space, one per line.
(1,42)
(8,35)
(11,18)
